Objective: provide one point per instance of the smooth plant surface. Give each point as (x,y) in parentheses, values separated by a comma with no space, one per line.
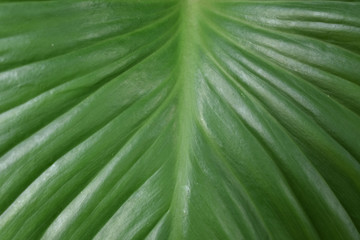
(189,119)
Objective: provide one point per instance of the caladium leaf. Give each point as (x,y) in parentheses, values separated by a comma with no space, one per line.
(188,119)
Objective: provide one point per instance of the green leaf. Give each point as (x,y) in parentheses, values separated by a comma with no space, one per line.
(189,119)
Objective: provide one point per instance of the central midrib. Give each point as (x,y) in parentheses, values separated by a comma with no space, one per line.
(186,103)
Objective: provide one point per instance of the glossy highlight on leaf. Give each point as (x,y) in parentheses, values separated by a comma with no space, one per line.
(179,119)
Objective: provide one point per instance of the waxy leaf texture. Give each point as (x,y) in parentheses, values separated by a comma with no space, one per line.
(180,120)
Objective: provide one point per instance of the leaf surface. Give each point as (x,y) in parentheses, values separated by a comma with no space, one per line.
(186,119)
